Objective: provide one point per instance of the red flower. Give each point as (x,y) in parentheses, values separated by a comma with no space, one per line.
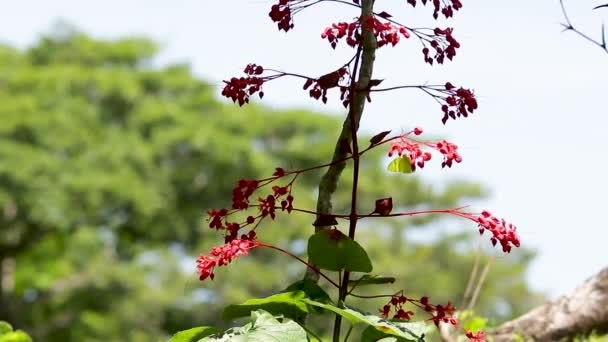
(446,8)
(385,32)
(222,256)
(502,231)
(479,337)
(282,15)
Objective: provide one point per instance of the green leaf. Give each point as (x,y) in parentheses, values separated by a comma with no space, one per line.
(371,279)
(264,327)
(288,303)
(330,249)
(472,322)
(313,291)
(5,327)
(194,334)
(405,330)
(371,334)
(15,336)
(401,164)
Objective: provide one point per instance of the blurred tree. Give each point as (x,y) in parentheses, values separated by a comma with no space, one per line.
(107,166)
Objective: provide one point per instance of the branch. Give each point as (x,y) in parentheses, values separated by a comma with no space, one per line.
(329,182)
(581,312)
(569,27)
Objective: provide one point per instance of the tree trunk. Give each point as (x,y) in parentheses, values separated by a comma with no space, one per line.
(580,312)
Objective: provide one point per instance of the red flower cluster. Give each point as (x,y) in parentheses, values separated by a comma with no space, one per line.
(396,304)
(502,231)
(242,192)
(321,84)
(345,96)
(339,30)
(440,313)
(479,337)
(462,101)
(223,255)
(417,157)
(253,69)
(239,89)
(240,201)
(445,45)
(447,10)
(216,223)
(450,153)
(385,32)
(281,14)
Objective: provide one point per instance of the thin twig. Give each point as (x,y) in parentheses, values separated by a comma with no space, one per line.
(569,27)
(482,279)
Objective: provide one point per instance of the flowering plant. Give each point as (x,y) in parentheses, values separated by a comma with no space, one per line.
(282,316)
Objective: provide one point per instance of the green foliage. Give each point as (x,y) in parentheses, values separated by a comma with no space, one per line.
(332,250)
(8,335)
(289,304)
(370,279)
(408,331)
(470,321)
(194,334)
(593,337)
(263,327)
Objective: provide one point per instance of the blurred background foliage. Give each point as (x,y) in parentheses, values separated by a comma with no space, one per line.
(109,163)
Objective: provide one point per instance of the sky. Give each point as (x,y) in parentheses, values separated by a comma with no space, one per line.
(537,141)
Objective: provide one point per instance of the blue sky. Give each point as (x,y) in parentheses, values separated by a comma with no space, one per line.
(537,141)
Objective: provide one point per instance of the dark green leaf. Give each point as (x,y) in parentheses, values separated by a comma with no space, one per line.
(331,250)
(405,330)
(289,304)
(378,138)
(370,279)
(312,290)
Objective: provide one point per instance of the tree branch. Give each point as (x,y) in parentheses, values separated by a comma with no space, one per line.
(581,312)
(569,27)
(329,181)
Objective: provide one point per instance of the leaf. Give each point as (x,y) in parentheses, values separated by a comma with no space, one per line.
(470,321)
(370,279)
(405,330)
(5,327)
(312,289)
(264,327)
(15,336)
(371,334)
(401,164)
(374,83)
(378,138)
(288,303)
(384,15)
(331,250)
(194,334)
